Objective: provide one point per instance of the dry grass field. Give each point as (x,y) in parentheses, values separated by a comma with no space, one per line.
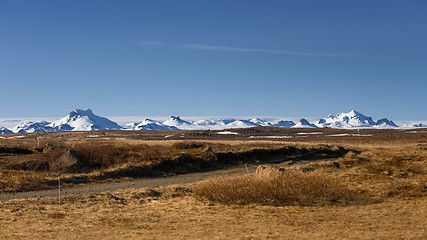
(328,185)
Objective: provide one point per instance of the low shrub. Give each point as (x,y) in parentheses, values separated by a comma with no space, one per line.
(29,164)
(15,150)
(290,188)
(102,155)
(188,145)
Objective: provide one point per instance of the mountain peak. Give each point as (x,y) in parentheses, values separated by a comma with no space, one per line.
(4,130)
(353,119)
(260,122)
(354,112)
(149,120)
(149,124)
(256,119)
(176,121)
(303,123)
(80,112)
(384,122)
(83,120)
(354,115)
(284,124)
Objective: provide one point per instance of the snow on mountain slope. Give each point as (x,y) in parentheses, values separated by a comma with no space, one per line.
(260,122)
(176,121)
(30,127)
(352,119)
(210,122)
(4,130)
(303,123)
(86,120)
(414,125)
(83,120)
(385,123)
(241,124)
(149,124)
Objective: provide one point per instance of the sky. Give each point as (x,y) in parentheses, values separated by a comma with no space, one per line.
(213,58)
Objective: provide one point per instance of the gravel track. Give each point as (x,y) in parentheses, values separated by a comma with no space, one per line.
(134,183)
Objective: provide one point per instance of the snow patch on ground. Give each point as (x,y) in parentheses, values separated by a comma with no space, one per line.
(227,133)
(271,137)
(414,132)
(352,135)
(309,133)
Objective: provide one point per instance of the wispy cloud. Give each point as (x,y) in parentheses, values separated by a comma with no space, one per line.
(202,47)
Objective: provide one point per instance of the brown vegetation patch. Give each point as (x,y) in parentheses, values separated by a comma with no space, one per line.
(17,181)
(102,155)
(407,189)
(99,160)
(390,170)
(290,188)
(27,163)
(15,150)
(188,145)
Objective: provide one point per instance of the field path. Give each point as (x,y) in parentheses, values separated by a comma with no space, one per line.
(134,183)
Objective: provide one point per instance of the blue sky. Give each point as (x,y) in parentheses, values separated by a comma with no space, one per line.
(196,58)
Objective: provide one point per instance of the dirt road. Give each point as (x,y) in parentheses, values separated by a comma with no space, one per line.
(135,183)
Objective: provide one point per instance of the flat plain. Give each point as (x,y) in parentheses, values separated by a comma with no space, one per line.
(257,183)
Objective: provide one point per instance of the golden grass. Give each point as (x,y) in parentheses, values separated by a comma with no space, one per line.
(291,187)
(391,171)
(19,181)
(175,214)
(394,174)
(397,170)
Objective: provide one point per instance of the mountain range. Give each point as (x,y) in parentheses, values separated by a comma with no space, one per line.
(354,119)
(86,120)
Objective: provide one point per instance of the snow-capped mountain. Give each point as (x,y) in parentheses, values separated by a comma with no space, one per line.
(207,122)
(241,124)
(83,120)
(284,124)
(30,127)
(4,130)
(260,122)
(86,120)
(352,119)
(303,123)
(176,121)
(149,124)
(212,124)
(385,123)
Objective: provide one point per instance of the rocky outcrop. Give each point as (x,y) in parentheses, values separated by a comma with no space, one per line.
(68,162)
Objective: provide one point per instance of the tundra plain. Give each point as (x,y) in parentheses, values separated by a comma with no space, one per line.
(255,183)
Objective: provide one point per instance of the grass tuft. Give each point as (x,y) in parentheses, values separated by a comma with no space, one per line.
(290,188)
